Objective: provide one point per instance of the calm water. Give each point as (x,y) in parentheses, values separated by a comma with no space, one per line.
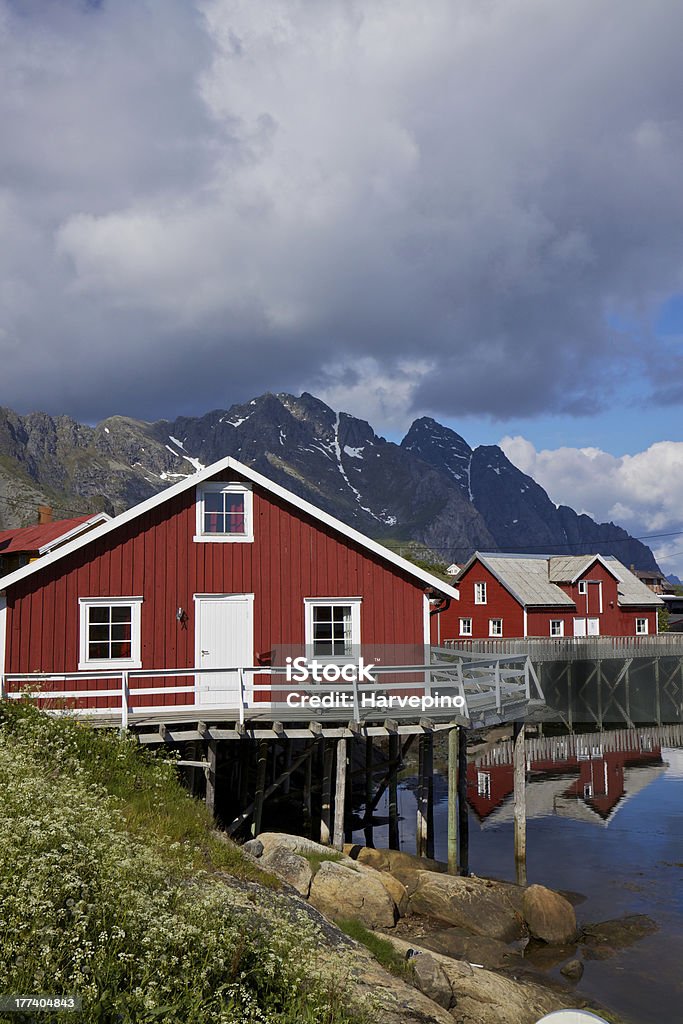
(608,826)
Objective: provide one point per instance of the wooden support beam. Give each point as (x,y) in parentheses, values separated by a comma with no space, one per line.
(369,768)
(307,801)
(259,797)
(463,815)
(326,796)
(212,758)
(340,795)
(394,764)
(453,762)
(423,838)
(519,774)
(234,826)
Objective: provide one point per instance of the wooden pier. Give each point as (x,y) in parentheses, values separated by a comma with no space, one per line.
(253,746)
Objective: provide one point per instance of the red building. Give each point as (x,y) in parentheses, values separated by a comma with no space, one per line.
(548,596)
(213,572)
(24,544)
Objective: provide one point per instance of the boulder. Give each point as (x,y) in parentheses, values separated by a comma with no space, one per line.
(477,905)
(549,916)
(396,890)
(484,997)
(431,979)
(290,867)
(254,847)
(340,891)
(298,844)
(619,932)
(478,949)
(572,970)
(391,860)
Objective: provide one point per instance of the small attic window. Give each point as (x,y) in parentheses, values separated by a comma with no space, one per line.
(583,586)
(224,513)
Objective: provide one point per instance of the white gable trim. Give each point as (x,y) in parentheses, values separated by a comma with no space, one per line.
(477,557)
(590,561)
(64,538)
(229,463)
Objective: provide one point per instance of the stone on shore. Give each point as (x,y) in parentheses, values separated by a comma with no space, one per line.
(477,905)
(431,979)
(290,867)
(549,916)
(573,970)
(340,891)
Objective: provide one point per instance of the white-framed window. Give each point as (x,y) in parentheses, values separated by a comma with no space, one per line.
(495,627)
(484,784)
(583,586)
(480,593)
(332,626)
(466,627)
(109,635)
(225,512)
(641,627)
(557,627)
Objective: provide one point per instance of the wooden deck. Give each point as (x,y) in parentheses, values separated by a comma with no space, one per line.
(471,690)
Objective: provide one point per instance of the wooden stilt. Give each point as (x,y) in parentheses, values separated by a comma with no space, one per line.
(394,759)
(453,800)
(340,795)
(212,757)
(429,779)
(326,796)
(463,816)
(307,805)
(423,839)
(261,768)
(286,765)
(369,767)
(245,758)
(348,827)
(519,770)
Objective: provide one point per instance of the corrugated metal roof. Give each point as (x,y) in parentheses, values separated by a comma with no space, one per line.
(564,568)
(630,589)
(527,579)
(27,539)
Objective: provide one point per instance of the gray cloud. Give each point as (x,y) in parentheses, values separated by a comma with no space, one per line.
(202,201)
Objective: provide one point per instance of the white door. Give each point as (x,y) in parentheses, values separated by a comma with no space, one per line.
(579,627)
(594,627)
(224,639)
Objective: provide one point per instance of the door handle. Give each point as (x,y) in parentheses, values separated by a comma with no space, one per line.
(205,652)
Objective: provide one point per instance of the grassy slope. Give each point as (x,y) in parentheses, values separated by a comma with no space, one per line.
(114,885)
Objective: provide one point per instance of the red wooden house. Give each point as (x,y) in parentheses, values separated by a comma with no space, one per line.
(548,596)
(214,572)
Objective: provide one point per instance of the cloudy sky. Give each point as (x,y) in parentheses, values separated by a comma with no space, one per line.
(470,209)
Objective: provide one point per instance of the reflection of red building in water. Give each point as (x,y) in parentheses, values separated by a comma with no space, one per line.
(602,778)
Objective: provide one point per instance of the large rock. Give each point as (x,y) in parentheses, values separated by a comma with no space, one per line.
(477,905)
(290,867)
(477,949)
(484,997)
(396,890)
(431,979)
(549,916)
(619,932)
(339,891)
(299,844)
(391,860)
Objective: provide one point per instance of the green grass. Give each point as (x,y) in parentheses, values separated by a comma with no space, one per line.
(316,859)
(114,885)
(381,949)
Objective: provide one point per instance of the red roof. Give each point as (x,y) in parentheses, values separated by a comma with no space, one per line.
(32,538)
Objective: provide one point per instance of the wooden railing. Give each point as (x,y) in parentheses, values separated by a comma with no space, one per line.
(575,648)
(462,687)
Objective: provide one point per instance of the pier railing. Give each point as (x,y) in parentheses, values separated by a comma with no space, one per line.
(472,689)
(572,648)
